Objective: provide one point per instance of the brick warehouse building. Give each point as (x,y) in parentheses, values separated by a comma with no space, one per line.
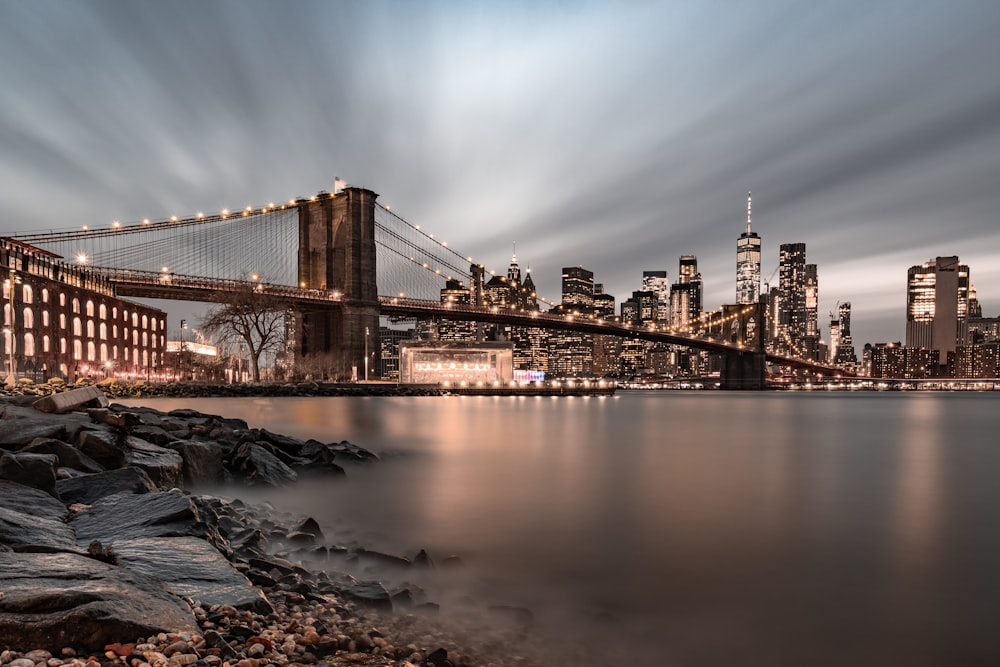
(63,320)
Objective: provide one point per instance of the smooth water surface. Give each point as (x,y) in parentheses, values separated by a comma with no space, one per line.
(706,528)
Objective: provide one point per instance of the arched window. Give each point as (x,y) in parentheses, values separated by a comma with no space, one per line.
(62,299)
(104,351)
(153,323)
(114,352)
(91,351)
(135,319)
(102,312)
(145,322)
(62,346)
(124,315)
(90,328)
(114,331)
(125,352)
(29,345)
(45,295)
(145,359)
(76,305)
(45,344)
(45,318)
(6,314)
(114,312)
(90,308)
(29,319)
(62,320)
(145,339)
(135,336)
(153,358)
(77,327)
(27,295)
(104,330)
(63,370)
(77,349)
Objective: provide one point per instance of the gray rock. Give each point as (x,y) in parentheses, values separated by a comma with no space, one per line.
(259,466)
(161,464)
(26,532)
(370,594)
(191,568)
(20,498)
(55,600)
(153,434)
(35,470)
(125,516)
(88,489)
(202,461)
(102,446)
(16,433)
(71,400)
(67,456)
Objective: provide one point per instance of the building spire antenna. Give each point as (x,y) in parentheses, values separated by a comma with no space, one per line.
(749,202)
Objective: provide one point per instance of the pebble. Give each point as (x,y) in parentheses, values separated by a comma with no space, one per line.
(22,662)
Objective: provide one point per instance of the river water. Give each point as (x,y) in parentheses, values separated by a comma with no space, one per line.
(703,528)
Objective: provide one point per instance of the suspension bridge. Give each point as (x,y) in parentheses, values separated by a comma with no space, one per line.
(341,260)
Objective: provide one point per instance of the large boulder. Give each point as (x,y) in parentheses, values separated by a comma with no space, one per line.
(35,502)
(26,532)
(67,456)
(18,432)
(103,446)
(203,461)
(88,489)
(259,466)
(125,516)
(67,401)
(51,601)
(191,568)
(161,464)
(35,470)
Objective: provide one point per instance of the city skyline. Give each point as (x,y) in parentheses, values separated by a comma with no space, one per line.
(614,138)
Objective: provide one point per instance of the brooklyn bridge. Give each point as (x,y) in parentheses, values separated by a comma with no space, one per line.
(342,260)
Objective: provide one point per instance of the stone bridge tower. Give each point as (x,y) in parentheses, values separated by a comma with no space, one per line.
(337,253)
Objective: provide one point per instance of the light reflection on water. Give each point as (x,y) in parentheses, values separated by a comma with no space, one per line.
(699,528)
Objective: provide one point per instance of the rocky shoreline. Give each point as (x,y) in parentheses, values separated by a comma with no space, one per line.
(114,388)
(107,560)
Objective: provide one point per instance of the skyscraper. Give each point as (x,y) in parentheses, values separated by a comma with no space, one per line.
(937,305)
(577,287)
(748,263)
(685,296)
(792,314)
(657,283)
(844,355)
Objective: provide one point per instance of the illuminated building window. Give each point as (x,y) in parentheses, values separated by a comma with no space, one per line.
(103,312)
(77,327)
(29,345)
(90,308)
(76,305)
(104,331)
(27,295)
(29,319)
(45,318)
(91,351)
(90,328)
(45,295)
(45,344)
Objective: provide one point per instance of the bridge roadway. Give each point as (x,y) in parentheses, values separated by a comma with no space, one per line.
(152,285)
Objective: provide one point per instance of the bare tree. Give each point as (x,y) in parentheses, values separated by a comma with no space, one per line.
(255,319)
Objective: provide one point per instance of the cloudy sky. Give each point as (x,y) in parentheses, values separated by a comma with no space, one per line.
(616,136)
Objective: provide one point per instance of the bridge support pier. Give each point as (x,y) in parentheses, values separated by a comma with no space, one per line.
(337,253)
(743,370)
